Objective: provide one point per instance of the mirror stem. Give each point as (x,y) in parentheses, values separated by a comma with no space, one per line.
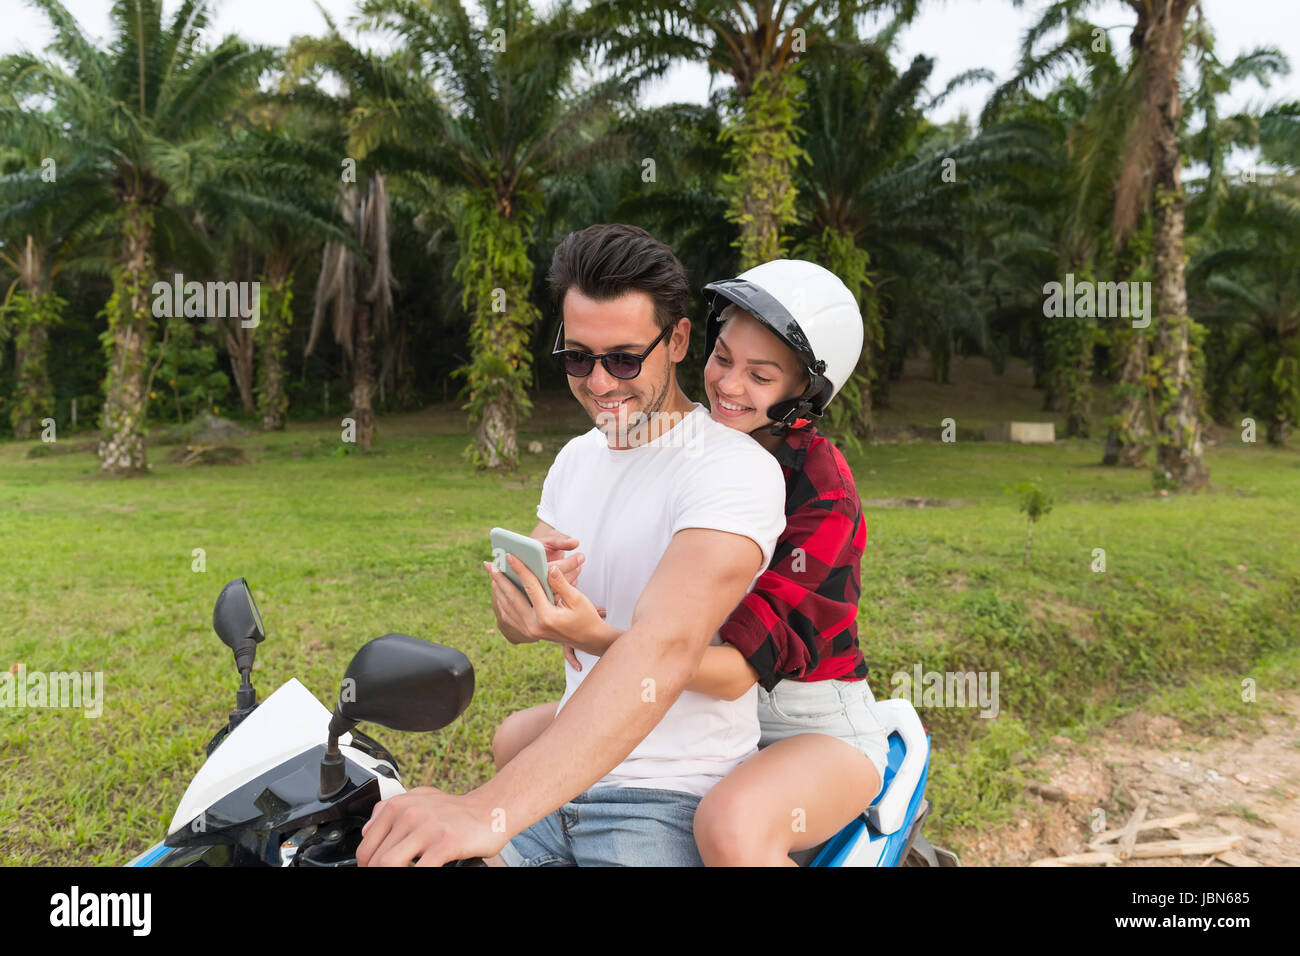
(246,696)
(245,699)
(333,773)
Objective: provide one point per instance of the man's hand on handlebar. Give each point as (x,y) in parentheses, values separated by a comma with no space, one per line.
(431,828)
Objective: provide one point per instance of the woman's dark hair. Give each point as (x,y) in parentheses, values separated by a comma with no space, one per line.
(609,260)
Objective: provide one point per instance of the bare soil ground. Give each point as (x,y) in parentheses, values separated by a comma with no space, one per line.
(1245,786)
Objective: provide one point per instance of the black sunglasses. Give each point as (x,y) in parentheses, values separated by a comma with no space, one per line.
(622,365)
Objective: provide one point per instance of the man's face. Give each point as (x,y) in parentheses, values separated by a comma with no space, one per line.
(625,324)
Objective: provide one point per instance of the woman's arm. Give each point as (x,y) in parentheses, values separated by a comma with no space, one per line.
(724,673)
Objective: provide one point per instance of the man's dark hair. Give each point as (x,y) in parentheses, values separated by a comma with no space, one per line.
(609,260)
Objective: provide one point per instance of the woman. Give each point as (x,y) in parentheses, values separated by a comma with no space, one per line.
(782,339)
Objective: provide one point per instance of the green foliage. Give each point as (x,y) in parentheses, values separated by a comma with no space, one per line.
(848,419)
(1034,502)
(126,337)
(1249,301)
(762,153)
(1032,499)
(1069,341)
(187,368)
(496,275)
(272,338)
(28,320)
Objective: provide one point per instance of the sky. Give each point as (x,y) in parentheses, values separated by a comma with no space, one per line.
(959,34)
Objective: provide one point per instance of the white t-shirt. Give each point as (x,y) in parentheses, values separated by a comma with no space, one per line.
(624,506)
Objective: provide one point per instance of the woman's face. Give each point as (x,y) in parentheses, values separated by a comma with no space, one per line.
(749,371)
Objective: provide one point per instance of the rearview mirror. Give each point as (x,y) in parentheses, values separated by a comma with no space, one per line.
(237,623)
(404,683)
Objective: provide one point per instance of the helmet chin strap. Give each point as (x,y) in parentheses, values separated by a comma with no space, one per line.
(786,413)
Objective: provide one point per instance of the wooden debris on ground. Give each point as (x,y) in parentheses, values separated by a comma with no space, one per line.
(1164,823)
(1128,836)
(1222,848)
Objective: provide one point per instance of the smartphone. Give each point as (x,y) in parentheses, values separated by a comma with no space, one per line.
(528,550)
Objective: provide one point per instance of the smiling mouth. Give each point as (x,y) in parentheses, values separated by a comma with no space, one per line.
(729,406)
(609,406)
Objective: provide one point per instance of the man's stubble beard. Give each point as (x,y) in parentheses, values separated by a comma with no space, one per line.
(662,398)
(656,405)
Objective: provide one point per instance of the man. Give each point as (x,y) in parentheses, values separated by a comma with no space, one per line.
(676,522)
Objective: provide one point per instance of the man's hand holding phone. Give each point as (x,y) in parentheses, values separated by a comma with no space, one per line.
(530,616)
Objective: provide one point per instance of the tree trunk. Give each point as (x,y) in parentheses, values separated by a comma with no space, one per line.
(277,319)
(31,343)
(121,447)
(239,343)
(1078,384)
(763,156)
(496,436)
(1127,441)
(31,368)
(33,380)
(363,376)
(1179,452)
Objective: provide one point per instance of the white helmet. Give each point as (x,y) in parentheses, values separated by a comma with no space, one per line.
(812,311)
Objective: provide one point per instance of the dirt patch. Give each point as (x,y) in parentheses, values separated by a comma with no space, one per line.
(1078,622)
(208,455)
(1234,786)
(207,427)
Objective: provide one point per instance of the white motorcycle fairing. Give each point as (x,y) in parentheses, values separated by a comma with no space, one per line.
(288,722)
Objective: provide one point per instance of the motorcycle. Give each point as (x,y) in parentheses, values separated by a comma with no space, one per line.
(270,793)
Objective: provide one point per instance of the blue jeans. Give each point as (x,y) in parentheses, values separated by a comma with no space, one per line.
(612,826)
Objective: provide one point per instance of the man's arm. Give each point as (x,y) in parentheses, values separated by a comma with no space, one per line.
(723,673)
(701,578)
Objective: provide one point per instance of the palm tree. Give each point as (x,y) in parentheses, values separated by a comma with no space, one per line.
(1253,287)
(360,289)
(1246,272)
(42,235)
(1078,115)
(140,113)
(1150,179)
(496,114)
(758,43)
(269,192)
(878,207)
(683,204)
(1082,116)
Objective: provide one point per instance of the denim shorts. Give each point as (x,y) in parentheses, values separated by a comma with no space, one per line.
(839,708)
(612,826)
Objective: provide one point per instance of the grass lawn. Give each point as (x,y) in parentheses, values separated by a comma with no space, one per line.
(1199,592)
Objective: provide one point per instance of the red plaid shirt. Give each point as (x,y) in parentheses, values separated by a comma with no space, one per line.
(801,620)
